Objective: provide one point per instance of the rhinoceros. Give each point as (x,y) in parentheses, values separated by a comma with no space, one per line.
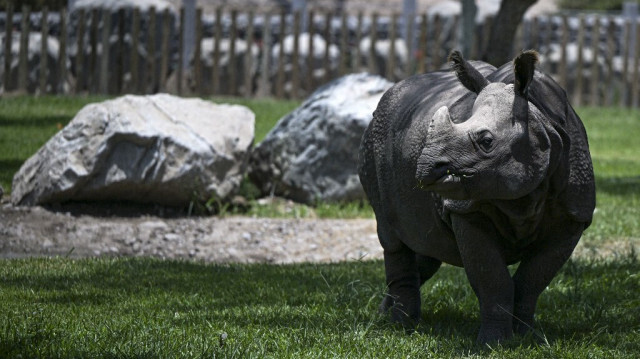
(480,168)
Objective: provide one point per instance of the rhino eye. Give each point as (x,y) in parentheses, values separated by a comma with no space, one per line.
(485,141)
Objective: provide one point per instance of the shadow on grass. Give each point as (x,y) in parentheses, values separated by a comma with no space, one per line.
(9,168)
(33,121)
(619,186)
(585,300)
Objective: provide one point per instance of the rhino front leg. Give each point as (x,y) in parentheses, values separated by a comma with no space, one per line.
(537,269)
(403,283)
(486,269)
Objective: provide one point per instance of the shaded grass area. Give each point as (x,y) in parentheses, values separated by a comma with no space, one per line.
(152,308)
(615,150)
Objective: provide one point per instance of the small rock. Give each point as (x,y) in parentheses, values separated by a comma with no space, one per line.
(172,237)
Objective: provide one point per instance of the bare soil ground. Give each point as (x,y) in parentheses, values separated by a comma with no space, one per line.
(36,231)
(91,231)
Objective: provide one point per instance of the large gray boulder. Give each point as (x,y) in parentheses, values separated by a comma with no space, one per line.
(312,153)
(157,149)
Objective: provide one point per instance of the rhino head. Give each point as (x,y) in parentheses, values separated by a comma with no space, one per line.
(501,151)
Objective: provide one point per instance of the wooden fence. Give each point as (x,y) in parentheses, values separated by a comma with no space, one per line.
(245,53)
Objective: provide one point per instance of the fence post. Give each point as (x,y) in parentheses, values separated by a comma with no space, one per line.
(356,61)
(608,95)
(197,54)
(280,76)
(535,32)
(437,35)
(636,63)
(391,59)
(44,50)
(233,69)
(311,54)
(295,65)
(248,60)
(151,78)
(81,72)
(409,29)
(624,95)
(422,58)
(563,52)
(344,33)
(24,46)
(595,39)
(93,56)
(180,69)
(104,57)
(7,47)
(119,55)
(134,63)
(486,34)
(327,35)
(164,51)
(578,90)
(373,34)
(62,59)
(217,37)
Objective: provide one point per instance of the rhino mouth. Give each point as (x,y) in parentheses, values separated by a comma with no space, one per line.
(448,177)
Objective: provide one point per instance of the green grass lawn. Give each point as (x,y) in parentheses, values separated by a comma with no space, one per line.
(151,308)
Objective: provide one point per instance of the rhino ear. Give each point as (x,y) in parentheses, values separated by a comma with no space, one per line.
(467,74)
(524,67)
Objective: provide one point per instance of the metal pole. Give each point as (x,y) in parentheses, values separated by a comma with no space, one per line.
(630,11)
(468,25)
(408,16)
(300,6)
(189,30)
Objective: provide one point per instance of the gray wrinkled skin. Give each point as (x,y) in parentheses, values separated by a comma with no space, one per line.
(481,168)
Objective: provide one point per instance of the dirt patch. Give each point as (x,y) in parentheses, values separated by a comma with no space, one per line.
(90,231)
(36,231)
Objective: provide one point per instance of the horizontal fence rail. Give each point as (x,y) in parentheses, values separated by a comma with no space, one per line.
(246,53)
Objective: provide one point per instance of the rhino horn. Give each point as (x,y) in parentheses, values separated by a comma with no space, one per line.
(470,78)
(441,119)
